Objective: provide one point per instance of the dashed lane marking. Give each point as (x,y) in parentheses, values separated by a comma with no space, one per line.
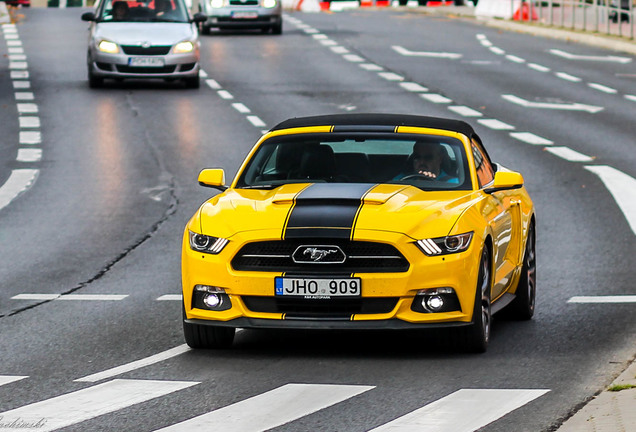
(601,87)
(530,138)
(271,409)
(408,53)
(138,364)
(495,124)
(465,410)
(81,405)
(465,111)
(8,379)
(604,299)
(568,77)
(569,154)
(622,187)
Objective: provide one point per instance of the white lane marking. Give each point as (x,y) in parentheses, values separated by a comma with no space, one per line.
(18,65)
(30,137)
(320,36)
(436,98)
(170,297)
(72,297)
(339,49)
(17,57)
(548,105)
(486,43)
(622,187)
(371,67)
(8,379)
(29,155)
(497,50)
(203,74)
(19,74)
(390,76)
(81,405)
(465,410)
(21,84)
(213,84)
(465,111)
(530,138)
(603,299)
(354,58)
(138,364)
(224,94)
(413,87)
(311,30)
(241,108)
(256,121)
(271,409)
(538,67)
(495,124)
(408,53)
(569,155)
(515,59)
(16,50)
(19,181)
(29,122)
(328,42)
(631,97)
(570,56)
(14,43)
(601,87)
(9,36)
(27,108)
(568,77)
(24,96)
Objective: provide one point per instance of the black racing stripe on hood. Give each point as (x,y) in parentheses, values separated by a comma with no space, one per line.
(326,210)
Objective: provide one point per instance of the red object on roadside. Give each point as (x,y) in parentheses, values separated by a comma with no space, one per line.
(523,13)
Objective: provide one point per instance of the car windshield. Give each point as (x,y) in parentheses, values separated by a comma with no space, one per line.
(427,162)
(143,11)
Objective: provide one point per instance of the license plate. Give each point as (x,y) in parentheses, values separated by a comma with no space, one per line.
(319,288)
(244,14)
(146,61)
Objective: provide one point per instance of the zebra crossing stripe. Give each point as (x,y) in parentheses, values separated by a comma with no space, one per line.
(7,379)
(465,410)
(271,409)
(81,405)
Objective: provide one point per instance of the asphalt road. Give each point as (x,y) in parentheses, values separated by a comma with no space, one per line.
(115,183)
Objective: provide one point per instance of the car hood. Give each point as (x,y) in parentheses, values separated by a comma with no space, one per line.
(131,33)
(334,210)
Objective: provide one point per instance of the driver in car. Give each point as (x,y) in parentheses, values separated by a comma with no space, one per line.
(426,163)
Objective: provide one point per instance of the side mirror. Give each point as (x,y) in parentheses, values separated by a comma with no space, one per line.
(505,180)
(199,17)
(88,16)
(213,178)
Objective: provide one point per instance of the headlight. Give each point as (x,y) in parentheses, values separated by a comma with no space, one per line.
(445,245)
(217,3)
(183,47)
(108,47)
(269,3)
(206,244)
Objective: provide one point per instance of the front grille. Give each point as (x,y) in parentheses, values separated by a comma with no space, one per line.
(146,70)
(151,50)
(260,19)
(332,308)
(243,2)
(361,257)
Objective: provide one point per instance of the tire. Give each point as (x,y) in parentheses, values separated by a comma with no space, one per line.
(522,307)
(207,337)
(205,30)
(192,82)
(93,80)
(475,338)
(277,29)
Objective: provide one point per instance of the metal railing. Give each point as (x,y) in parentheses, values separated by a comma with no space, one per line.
(612,17)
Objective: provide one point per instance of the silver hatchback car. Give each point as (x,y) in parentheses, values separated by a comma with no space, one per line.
(266,15)
(143,39)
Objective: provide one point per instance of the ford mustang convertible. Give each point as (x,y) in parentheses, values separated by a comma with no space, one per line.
(361,221)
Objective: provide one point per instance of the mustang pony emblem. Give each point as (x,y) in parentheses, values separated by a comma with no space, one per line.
(316,254)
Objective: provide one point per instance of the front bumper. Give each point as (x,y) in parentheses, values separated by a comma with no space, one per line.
(116,66)
(247,288)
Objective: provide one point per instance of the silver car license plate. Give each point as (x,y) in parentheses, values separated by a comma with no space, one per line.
(317,288)
(245,14)
(146,61)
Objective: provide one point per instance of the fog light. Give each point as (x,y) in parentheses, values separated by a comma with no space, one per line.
(212,301)
(433,303)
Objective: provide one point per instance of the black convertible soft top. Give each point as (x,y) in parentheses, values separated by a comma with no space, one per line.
(366,122)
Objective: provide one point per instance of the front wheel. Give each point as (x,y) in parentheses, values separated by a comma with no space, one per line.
(192,82)
(475,338)
(277,28)
(207,337)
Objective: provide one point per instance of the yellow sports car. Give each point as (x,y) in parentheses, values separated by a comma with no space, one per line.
(360,221)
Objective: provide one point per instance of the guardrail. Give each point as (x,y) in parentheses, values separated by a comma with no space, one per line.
(611,17)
